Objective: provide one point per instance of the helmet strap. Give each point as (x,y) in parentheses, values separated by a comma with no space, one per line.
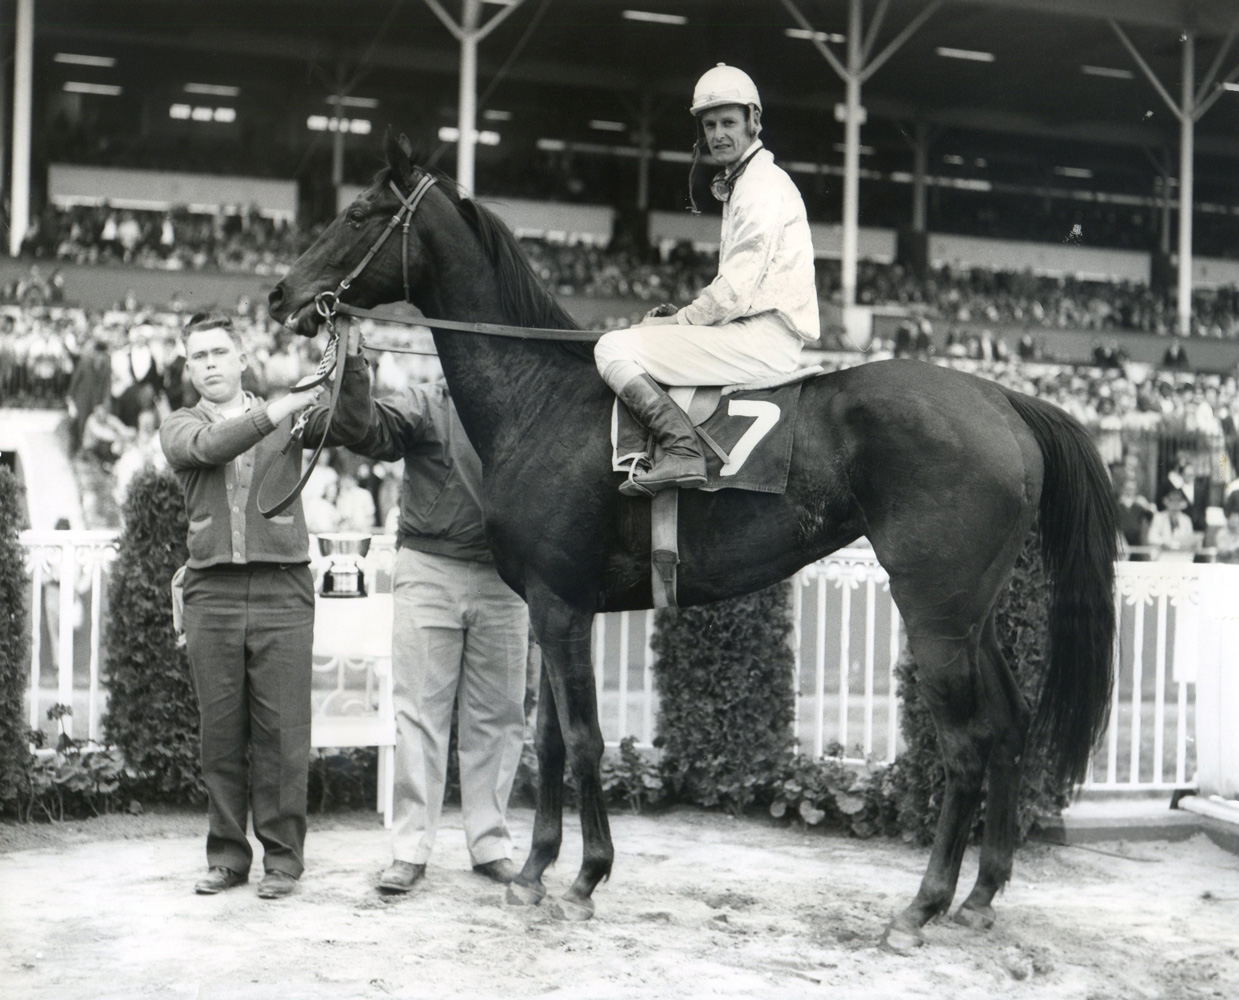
(692,170)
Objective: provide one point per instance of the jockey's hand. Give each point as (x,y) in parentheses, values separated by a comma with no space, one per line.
(652,320)
(663,309)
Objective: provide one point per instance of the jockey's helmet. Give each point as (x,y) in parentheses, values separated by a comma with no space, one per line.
(724,85)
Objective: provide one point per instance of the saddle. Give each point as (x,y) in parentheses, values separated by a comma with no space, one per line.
(747,431)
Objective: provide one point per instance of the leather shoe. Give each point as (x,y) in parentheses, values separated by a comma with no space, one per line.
(276,884)
(400,876)
(502,871)
(218,879)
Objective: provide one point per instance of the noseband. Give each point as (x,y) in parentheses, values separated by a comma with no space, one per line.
(332,363)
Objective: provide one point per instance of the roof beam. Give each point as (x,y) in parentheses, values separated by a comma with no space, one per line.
(1206,17)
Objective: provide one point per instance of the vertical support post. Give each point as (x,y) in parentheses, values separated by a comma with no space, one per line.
(1112,737)
(1159,696)
(920,167)
(1137,682)
(871,601)
(845,661)
(600,650)
(64,666)
(647,681)
(1165,233)
(799,582)
(337,137)
(467,111)
(851,154)
(1187,138)
(645,147)
(1180,736)
(23,91)
(892,689)
(36,635)
(625,624)
(819,679)
(96,626)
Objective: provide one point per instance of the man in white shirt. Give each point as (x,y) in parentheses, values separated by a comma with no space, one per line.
(1171,529)
(752,320)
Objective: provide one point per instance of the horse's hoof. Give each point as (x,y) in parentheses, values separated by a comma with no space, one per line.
(519,894)
(978,918)
(574,910)
(900,940)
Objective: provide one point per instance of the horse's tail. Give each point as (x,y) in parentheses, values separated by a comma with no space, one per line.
(1079,543)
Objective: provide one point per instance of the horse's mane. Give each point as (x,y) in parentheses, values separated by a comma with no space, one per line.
(525,300)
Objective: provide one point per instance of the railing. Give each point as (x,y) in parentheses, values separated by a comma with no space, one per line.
(847,638)
(82,557)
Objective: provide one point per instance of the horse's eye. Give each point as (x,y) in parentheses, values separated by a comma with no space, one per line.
(355,219)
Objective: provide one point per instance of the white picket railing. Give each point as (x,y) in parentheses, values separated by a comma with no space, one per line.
(846,641)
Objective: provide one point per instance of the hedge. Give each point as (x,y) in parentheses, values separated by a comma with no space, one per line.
(14,645)
(152,715)
(724,678)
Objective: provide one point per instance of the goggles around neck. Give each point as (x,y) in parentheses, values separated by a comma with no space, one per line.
(723,183)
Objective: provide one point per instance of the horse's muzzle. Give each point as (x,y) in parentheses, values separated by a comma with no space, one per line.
(304,319)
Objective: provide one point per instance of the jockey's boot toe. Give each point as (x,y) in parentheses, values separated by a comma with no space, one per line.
(684,472)
(681,461)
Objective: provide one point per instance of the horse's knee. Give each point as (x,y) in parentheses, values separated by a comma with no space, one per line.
(585,752)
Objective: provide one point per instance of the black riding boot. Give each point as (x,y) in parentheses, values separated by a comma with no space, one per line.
(682,462)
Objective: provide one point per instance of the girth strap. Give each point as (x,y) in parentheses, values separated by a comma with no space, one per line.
(664,546)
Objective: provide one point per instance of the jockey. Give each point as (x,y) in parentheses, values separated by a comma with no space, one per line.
(752,320)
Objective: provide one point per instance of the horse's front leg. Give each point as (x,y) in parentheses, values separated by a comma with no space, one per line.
(548,822)
(564,635)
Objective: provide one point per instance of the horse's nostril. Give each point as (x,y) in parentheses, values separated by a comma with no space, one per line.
(276,296)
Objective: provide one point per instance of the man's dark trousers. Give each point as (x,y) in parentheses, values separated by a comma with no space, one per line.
(250,632)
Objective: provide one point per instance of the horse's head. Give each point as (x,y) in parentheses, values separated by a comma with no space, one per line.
(367,255)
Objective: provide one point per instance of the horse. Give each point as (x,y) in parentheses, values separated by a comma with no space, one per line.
(944,472)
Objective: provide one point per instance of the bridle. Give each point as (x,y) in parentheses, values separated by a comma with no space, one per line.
(328,306)
(332,363)
(325,302)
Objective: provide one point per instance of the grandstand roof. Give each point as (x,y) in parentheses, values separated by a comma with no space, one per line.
(562,64)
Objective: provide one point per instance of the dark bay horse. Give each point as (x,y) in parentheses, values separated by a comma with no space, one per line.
(943,472)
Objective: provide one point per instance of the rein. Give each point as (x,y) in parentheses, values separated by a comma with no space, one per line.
(328,306)
(490,329)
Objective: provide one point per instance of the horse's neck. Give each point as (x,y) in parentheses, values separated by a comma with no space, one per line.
(492,379)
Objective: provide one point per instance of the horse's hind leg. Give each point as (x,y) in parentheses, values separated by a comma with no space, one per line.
(947,674)
(568,676)
(1009,715)
(548,821)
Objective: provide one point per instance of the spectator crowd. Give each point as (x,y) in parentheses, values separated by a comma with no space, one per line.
(240,239)
(243,240)
(117,372)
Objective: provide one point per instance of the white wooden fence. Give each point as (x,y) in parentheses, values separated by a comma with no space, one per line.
(847,639)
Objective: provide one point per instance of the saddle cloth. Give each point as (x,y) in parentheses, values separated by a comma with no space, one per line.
(751,426)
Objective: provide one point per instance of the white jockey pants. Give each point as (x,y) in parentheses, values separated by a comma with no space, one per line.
(752,348)
(459,633)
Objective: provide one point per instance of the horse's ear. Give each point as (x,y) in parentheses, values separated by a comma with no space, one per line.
(400,155)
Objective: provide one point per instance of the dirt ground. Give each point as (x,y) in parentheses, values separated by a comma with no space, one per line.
(700,905)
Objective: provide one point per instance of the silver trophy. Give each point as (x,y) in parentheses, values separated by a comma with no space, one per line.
(344,576)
